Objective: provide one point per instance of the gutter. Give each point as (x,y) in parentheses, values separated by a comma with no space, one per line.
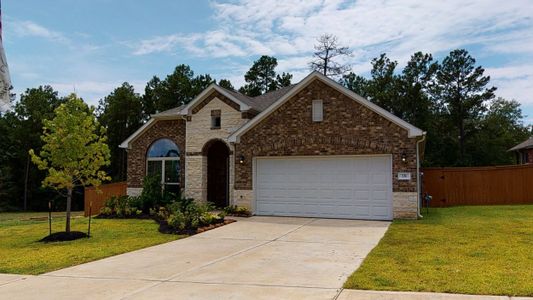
(418,183)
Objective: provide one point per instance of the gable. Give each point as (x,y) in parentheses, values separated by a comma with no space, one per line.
(213,95)
(334,87)
(211,92)
(344,122)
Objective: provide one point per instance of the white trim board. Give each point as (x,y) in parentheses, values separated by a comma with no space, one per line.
(187,109)
(412,130)
(142,129)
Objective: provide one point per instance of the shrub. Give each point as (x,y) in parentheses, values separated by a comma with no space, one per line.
(187,214)
(152,194)
(234,210)
(121,206)
(106,211)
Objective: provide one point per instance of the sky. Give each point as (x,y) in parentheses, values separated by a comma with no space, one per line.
(92,47)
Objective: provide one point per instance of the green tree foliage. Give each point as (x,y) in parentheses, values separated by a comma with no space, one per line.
(262,77)
(177,89)
(384,88)
(7,155)
(355,83)
(461,89)
(499,129)
(225,83)
(74,150)
(23,128)
(121,113)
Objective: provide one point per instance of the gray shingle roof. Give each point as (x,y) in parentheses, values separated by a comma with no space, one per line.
(258,103)
(524,145)
(261,102)
(169,113)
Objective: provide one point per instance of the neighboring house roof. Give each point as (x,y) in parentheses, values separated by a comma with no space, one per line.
(293,90)
(527,144)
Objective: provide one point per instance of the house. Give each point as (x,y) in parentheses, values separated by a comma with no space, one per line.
(313,149)
(524,151)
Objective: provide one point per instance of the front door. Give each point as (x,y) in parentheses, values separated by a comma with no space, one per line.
(217,174)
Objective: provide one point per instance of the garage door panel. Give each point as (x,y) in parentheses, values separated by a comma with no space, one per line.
(331,187)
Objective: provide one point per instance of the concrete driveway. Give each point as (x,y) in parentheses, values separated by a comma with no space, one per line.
(255,258)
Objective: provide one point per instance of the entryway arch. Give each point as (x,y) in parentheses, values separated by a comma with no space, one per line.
(217,153)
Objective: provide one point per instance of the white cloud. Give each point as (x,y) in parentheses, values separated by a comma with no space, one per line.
(32,29)
(513,82)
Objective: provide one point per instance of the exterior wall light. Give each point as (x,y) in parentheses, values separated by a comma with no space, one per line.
(241,159)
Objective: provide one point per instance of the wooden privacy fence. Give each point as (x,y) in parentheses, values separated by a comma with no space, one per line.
(99,199)
(479,185)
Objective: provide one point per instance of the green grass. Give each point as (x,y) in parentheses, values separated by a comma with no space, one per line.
(29,216)
(21,253)
(472,250)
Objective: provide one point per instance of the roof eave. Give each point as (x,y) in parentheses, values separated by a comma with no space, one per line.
(187,110)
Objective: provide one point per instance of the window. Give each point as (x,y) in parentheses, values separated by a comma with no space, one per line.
(163,159)
(215,119)
(318,111)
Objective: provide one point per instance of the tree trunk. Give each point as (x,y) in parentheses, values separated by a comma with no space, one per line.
(26,176)
(69,201)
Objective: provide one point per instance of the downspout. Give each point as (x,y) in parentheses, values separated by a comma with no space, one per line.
(418,183)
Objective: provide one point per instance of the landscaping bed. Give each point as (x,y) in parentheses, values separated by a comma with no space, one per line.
(164,227)
(469,250)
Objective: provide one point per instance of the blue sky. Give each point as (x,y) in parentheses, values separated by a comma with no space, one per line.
(91,47)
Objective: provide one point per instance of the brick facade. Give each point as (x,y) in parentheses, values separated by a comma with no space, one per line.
(171,129)
(348,128)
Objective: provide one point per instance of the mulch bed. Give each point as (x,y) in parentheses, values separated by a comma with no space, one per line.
(242,215)
(64,236)
(164,228)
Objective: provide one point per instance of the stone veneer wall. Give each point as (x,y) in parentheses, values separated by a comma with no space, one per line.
(171,129)
(199,133)
(348,128)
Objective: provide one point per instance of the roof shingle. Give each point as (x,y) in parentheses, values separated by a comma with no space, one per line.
(524,145)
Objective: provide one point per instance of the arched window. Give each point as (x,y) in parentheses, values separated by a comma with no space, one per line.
(163,159)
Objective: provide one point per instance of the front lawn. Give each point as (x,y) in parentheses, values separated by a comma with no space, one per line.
(472,250)
(21,253)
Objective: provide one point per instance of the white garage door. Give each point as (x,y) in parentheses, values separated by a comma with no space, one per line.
(333,187)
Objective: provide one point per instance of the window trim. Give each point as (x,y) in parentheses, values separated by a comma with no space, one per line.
(314,112)
(162,161)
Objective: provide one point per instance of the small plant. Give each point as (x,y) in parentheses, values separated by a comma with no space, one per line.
(106,211)
(121,206)
(237,211)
